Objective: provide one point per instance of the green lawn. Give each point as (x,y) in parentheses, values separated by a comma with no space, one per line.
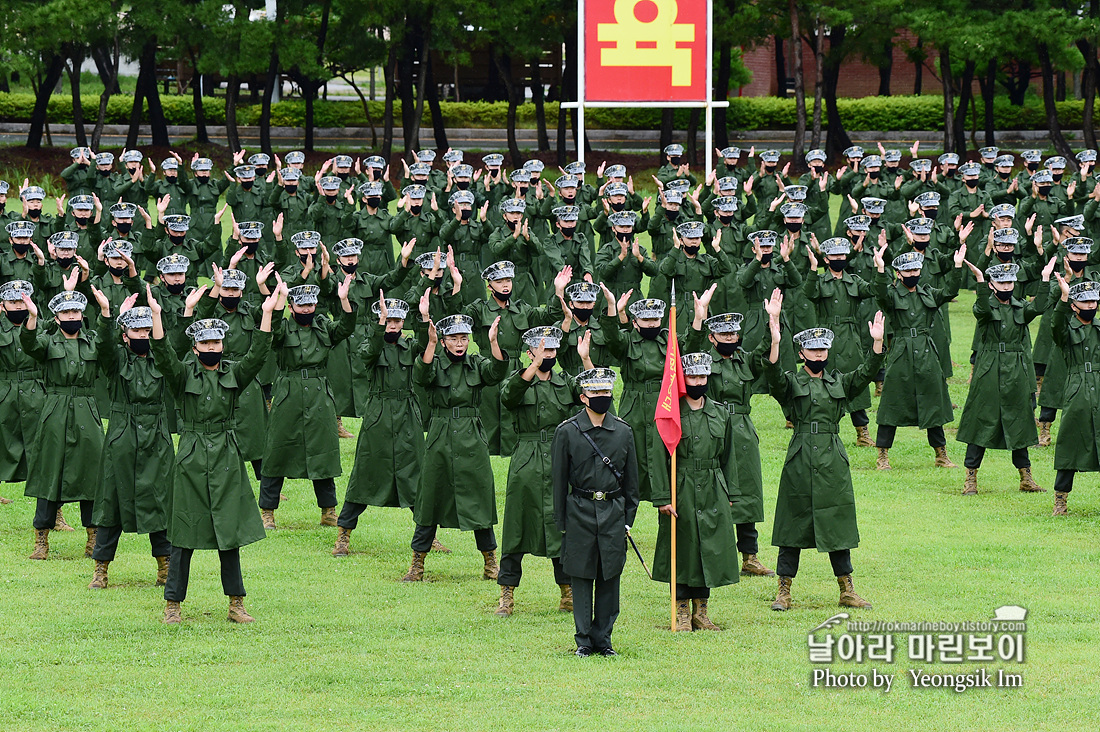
(340,643)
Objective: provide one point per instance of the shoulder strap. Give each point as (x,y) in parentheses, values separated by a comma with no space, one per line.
(599,453)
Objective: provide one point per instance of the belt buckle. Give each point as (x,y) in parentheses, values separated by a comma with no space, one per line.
(813,428)
(598,496)
(1088,367)
(912,332)
(454,412)
(1001,347)
(305,373)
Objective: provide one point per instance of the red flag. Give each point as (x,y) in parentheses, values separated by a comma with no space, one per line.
(672,388)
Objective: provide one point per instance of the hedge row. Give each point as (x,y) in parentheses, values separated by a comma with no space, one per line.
(747,113)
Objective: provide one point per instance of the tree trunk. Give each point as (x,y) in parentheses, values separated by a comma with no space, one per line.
(158,126)
(780,70)
(966,93)
(886,69)
(918,72)
(1088,89)
(1053,125)
(232,91)
(666,133)
(721,93)
(538,96)
(1060,86)
(77,58)
(309,91)
(692,147)
(366,108)
(798,152)
(315,84)
(108,71)
(109,83)
(1018,83)
(387,109)
(271,79)
(837,139)
(412,133)
(137,108)
(503,65)
(819,82)
(408,103)
(432,93)
(948,100)
(988,85)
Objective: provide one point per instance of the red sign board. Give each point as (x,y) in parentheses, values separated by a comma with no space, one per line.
(645,50)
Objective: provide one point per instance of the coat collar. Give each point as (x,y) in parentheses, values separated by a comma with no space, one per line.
(585,423)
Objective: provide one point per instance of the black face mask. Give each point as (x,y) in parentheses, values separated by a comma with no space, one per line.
(691,251)
(34,213)
(624,236)
(521,191)
(103,173)
(725,219)
(415,209)
(1003,296)
(1005,256)
(930,213)
(250,247)
(511,225)
(1086,315)
(433,282)
(465,214)
(303,258)
(1056,176)
(291,189)
(726,349)
(305,319)
(391,336)
(817,169)
(17,316)
(837,265)
(342,176)
(330,199)
(349,268)
(971,184)
(547,363)
(920,246)
(1003,176)
(124,227)
(989,166)
(231,303)
(247,184)
(1076,266)
(81,166)
(118,271)
(599,404)
(502,296)
(177,239)
(874,174)
(650,333)
(140,346)
(793,226)
(582,314)
(453,358)
(1044,190)
(910,280)
(21,248)
(72,327)
(462,185)
(672,215)
(766,257)
(82,221)
(374,201)
(210,358)
(951,173)
(261,172)
(816,367)
(65,262)
(171,179)
(674,159)
(617,206)
(696,391)
(1033,166)
(175,289)
(567,231)
(769,169)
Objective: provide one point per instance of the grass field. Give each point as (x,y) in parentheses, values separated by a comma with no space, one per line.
(341,644)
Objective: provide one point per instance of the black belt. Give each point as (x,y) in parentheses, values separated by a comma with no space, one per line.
(598,495)
(390,394)
(646,387)
(77,391)
(912,332)
(700,464)
(456,412)
(738,408)
(138,408)
(206,428)
(814,428)
(30,375)
(303,373)
(1086,368)
(546,435)
(1003,348)
(841,320)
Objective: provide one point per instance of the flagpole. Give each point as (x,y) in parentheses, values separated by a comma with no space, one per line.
(672,518)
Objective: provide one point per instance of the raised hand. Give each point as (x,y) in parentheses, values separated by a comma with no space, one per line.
(877,327)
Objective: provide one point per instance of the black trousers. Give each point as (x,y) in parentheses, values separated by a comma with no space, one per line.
(1047,414)
(595,608)
(511,570)
(45,513)
(106,543)
(886,432)
(684,592)
(747,536)
(1040,369)
(1063,480)
(975,453)
(485,539)
(257,467)
(179,572)
(270,488)
(787,565)
(350,513)
(860,418)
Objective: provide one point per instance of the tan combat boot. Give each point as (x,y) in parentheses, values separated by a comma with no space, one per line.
(970,486)
(172,614)
(1061,498)
(437,546)
(237,613)
(699,619)
(942,461)
(89,545)
(1044,434)
(507,601)
(490,571)
(343,543)
(751,566)
(99,577)
(863,437)
(341,430)
(566,603)
(878,388)
(683,616)
(60,524)
(416,570)
(41,544)
(1028,484)
(268,517)
(783,599)
(1038,386)
(848,596)
(162,570)
(328,516)
(883,461)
